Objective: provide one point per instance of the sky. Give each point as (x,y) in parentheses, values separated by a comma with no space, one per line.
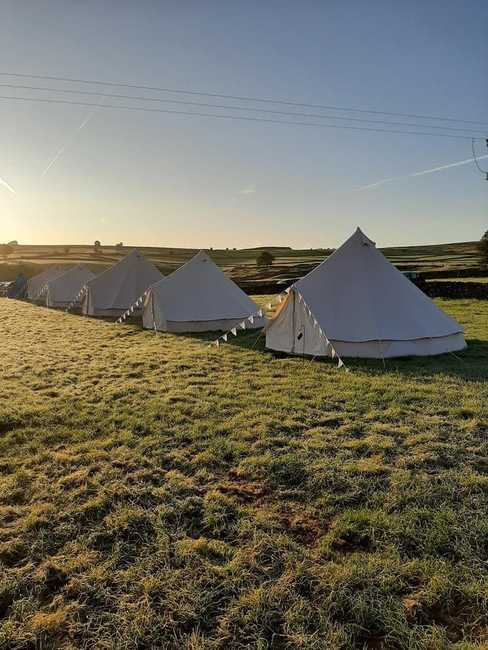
(71,174)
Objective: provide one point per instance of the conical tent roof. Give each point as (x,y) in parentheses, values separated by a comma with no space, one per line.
(36,283)
(364,306)
(358,295)
(65,288)
(197,293)
(117,288)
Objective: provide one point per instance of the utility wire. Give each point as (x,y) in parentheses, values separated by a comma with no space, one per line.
(236,97)
(483,171)
(239,108)
(232,117)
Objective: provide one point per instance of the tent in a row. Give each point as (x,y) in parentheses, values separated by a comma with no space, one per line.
(357,304)
(117,288)
(64,289)
(37,282)
(198,297)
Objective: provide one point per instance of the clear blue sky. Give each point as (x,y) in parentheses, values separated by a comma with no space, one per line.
(158,179)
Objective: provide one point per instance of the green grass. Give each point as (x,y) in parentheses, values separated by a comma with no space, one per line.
(159,493)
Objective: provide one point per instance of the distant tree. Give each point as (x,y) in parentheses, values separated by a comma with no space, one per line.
(66,250)
(119,245)
(265,258)
(483,248)
(6,249)
(97,246)
(14,242)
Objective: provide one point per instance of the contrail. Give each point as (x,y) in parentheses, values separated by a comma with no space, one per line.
(421,173)
(4,183)
(377,184)
(439,169)
(70,141)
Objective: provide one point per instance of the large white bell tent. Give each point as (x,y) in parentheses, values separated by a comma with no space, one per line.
(117,288)
(357,304)
(198,297)
(37,282)
(64,290)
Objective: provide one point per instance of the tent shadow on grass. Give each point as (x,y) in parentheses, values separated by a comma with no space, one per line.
(470,364)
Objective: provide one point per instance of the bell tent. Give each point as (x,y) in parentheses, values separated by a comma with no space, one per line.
(36,283)
(364,307)
(198,297)
(64,290)
(117,288)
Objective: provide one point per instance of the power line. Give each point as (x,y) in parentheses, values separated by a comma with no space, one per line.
(232,117)
(238,108)
(483,171)
(237,97)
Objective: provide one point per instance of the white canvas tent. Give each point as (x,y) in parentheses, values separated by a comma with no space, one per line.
(364,306)
(64,289)
(117,288)
(36,283)
(198,297)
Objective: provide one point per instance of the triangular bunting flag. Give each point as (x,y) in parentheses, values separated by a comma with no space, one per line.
(340,364)
(260,313)
(234,331)
(251,319)
(224,337)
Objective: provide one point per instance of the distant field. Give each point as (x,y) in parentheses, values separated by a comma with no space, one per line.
(463,279)
(159,493)
(240,264)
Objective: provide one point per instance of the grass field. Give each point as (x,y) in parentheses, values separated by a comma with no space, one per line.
(159,493)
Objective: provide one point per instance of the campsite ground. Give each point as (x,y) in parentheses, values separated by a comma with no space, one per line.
(157,492)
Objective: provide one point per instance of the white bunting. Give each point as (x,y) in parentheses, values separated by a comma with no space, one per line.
(260,313)
(234,331)
(225,337)
(251,319)
(243,325)
(340,364)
